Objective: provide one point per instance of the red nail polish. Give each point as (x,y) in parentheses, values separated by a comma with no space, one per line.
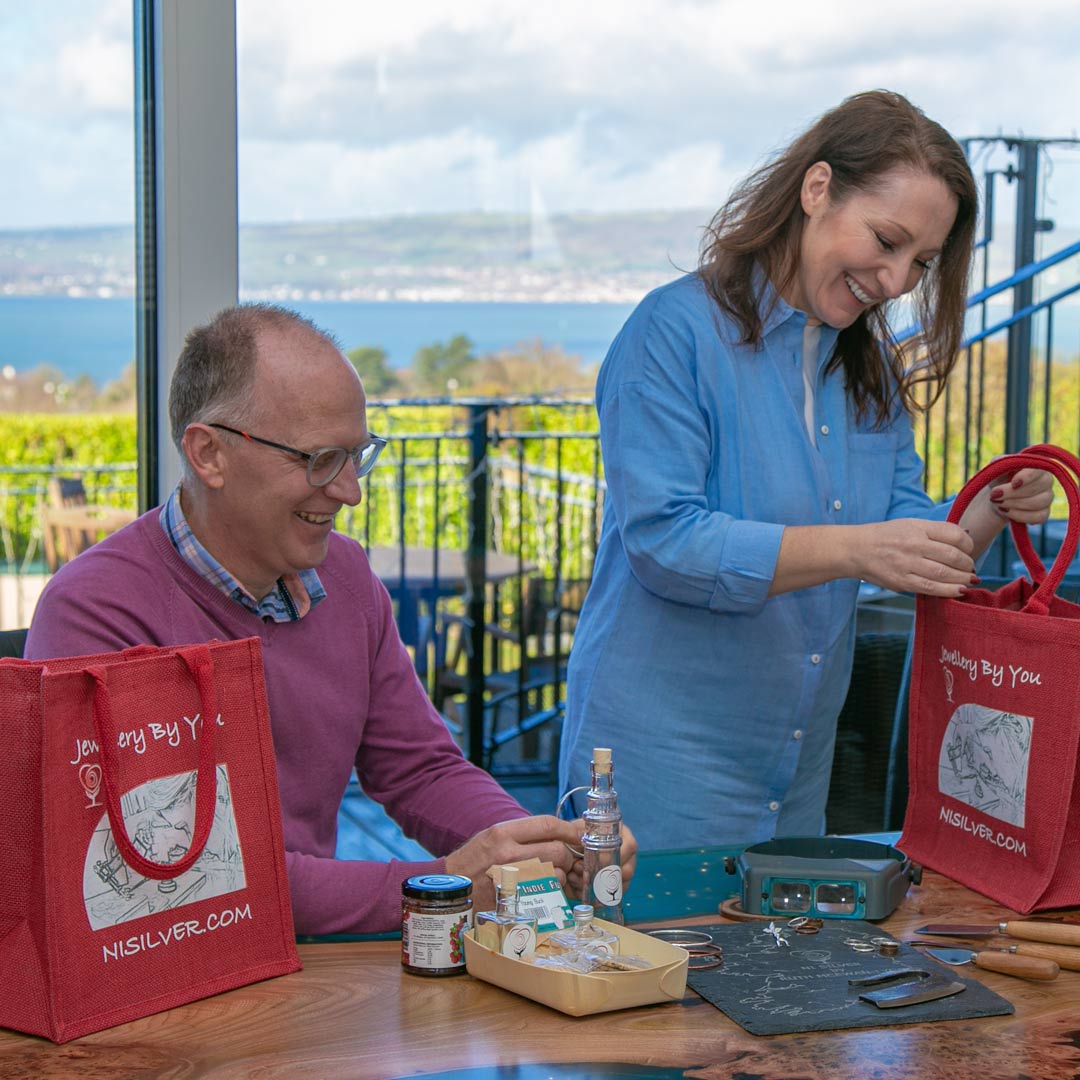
(997,496)
(975,579)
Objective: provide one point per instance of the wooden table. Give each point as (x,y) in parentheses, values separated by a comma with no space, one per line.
(91,517)
(423,575)
(69,530)
(351,1014)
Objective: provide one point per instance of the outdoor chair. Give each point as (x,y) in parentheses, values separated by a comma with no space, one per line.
(12,643)
(525,663)
(62,542)
(70,524)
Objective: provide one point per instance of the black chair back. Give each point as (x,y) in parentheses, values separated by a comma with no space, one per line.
(12,642)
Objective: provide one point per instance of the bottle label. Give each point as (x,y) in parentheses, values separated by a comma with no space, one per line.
(434,941)
(607,886)
(520,940)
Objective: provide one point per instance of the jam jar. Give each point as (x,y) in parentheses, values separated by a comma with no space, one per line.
(436,910)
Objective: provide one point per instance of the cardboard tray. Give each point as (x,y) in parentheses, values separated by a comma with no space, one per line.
(580,995)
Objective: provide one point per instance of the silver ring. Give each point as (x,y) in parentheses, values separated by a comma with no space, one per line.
(558,808)
(683,939)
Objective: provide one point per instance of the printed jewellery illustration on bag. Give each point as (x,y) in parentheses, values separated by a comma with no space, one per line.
(984,761)
(158,816)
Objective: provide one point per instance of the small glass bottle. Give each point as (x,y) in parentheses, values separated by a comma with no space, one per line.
(436,909)
(584,934)
(602,841)
(508,929)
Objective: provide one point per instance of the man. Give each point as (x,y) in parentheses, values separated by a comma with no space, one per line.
(232,554)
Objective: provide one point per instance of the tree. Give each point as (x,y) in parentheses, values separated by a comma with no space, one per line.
(373,367)
(530,367)
(441,367)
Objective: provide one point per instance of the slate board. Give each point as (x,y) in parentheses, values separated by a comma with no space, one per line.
(804,986)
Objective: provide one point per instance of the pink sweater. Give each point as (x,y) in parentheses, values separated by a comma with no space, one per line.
(342,692)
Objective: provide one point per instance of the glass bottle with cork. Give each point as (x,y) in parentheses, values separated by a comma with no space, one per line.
(508,929)
(601,841)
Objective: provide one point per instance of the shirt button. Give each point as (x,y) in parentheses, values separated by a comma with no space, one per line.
(797,734)
(816,658)
(837,504)
(824,429)
(774,806)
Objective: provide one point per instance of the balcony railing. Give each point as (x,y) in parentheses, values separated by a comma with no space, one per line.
(484,515)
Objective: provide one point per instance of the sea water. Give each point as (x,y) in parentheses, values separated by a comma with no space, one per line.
(97,336)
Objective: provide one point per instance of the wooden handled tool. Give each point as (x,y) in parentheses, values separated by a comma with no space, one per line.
(1010,963)
(1005,961)
(1068,959)
(1051,933)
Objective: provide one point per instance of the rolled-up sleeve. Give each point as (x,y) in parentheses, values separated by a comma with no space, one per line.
(657,446)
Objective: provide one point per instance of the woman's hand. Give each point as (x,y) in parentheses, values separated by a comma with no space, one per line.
(1024,497)
(913,555)
(905,555)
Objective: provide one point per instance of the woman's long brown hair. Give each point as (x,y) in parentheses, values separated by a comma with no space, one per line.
(760,225)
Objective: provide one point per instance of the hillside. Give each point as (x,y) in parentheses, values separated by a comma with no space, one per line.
(467,257)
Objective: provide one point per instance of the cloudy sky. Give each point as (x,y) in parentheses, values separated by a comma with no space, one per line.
(358,107)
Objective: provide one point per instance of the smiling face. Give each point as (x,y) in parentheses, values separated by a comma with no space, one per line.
(869,247)
(262,518)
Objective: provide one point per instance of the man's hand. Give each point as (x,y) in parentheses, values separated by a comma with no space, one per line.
(543,837)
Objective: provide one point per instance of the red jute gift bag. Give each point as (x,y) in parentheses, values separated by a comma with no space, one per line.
(141,856)
(994,722)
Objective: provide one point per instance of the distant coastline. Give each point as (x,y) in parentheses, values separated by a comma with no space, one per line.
(433,258)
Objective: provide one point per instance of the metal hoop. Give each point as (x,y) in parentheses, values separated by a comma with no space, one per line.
(558,808)
(701,962)
(683,939)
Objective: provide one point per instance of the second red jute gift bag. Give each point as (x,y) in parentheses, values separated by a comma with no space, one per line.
(994,722)
(141,854)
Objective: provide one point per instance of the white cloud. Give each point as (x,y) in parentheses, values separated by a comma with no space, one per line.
(353,107)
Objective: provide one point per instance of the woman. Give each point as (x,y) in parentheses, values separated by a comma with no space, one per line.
(758,449)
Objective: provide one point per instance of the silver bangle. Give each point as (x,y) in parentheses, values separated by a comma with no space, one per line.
(683,939)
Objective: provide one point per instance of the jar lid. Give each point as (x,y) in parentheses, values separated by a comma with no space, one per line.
(437,886)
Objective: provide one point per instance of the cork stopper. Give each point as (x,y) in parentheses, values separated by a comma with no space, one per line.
(601,759)
(508,878)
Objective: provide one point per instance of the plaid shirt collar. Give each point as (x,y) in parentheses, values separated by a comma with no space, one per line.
(294,597)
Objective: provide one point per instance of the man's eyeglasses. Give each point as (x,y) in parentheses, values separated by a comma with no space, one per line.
(323,465)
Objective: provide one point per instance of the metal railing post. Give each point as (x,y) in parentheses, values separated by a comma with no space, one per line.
(476,575)
(1018,380)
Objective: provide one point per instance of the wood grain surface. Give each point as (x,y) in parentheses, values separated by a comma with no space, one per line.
(352,1013)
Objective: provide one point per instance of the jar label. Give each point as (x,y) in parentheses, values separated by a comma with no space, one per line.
(434,941)
(607,886)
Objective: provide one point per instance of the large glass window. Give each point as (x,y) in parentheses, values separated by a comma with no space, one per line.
(510,178)
(67,378)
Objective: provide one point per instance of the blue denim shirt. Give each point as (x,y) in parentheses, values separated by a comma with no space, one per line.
(720,702)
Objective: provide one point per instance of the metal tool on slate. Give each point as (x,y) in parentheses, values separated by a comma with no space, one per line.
(1052,933)
(1004,962)
(1050,941)
(916,986)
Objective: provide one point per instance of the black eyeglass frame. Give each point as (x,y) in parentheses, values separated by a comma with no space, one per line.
(361,464)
